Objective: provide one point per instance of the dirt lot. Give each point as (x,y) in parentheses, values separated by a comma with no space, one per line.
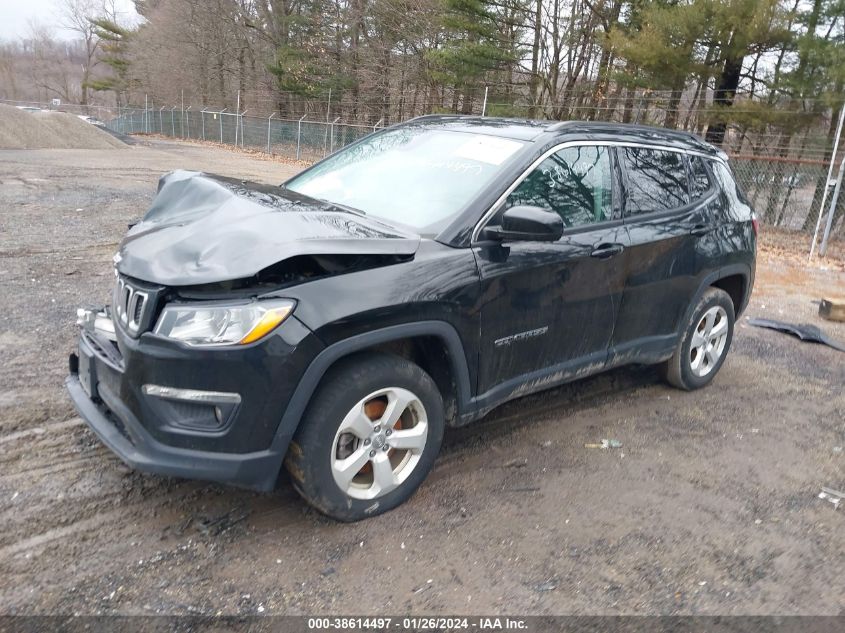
(710,507)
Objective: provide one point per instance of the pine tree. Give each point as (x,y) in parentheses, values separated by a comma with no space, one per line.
(474,48)
(660,44)
(113,46)
(740,28)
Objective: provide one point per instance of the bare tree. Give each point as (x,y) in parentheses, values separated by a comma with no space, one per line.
(76,16)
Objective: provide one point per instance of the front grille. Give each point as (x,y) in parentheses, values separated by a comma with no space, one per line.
(134,305)
(138,312)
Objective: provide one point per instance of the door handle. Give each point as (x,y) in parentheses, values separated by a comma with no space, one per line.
(605,251)
(700,229)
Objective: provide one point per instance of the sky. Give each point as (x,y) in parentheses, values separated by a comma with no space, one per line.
(15,16)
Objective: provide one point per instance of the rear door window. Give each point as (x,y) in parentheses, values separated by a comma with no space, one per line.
(575,182)
(656,180)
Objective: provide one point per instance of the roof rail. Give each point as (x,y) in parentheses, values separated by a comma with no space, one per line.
(558,125)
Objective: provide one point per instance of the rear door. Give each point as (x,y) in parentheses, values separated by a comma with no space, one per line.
(549,308)
(668,211)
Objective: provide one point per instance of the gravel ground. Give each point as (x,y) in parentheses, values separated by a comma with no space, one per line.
(710,506)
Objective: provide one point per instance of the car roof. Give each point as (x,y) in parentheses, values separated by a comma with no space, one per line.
(549,131)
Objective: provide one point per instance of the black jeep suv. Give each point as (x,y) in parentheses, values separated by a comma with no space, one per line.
(413,280)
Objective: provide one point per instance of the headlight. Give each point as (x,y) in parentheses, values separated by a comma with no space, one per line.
(214,324)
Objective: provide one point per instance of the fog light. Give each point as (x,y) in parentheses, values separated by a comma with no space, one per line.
(209,411)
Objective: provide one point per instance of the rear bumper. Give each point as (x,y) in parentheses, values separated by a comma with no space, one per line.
(127,438)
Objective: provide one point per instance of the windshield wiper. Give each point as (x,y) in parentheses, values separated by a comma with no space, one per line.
(343,206)
(339,205)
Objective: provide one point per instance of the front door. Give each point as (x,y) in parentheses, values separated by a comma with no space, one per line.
(549,309)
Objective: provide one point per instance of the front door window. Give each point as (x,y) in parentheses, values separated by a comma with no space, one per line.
(574,182)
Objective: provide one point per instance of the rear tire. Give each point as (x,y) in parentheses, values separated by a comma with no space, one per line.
(368,438)
(704,343)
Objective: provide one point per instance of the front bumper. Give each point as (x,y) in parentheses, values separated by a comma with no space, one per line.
(129,441)
(107,390)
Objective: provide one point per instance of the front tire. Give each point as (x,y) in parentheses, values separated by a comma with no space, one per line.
(704,343)
(368,438)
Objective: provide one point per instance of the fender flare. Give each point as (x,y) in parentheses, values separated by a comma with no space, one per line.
(726,271)
(325,359)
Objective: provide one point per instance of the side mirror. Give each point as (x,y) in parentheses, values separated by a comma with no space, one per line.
(527,224)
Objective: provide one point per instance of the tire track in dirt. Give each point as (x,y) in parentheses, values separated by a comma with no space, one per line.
(98,520)
(48,462)
(41,430)
(58,466)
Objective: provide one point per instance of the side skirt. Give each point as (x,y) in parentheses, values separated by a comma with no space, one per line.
(645,351)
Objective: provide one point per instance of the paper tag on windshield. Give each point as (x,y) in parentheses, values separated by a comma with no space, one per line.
(488,149)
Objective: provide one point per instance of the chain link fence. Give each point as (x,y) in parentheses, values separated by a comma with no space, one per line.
(786,192)
(293,138)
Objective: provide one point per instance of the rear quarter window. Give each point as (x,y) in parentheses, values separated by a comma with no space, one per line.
(738,207)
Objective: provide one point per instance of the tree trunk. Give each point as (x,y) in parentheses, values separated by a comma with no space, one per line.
(605,63)
(724,96)
(671,120)
(357,9)
(534,82)
(628,112)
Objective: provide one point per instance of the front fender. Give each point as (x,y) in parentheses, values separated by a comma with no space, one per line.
(330,355)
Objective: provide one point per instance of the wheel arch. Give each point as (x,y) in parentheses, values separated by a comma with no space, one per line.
(735,285)
(443,358)
(735,278)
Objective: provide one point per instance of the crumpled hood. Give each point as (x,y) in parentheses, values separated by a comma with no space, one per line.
(204,229)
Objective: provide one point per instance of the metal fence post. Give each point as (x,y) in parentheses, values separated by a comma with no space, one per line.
(188,120)
(202,114)
(221,123)
(834,199)
(160,121)
(241,116)
(827,179)
(237,116)
(172,122)
(270,118)
(299,135)
(331,133)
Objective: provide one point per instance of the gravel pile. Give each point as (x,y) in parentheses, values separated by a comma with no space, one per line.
(50,130)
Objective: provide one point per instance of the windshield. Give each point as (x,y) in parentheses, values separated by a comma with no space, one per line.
(418,177)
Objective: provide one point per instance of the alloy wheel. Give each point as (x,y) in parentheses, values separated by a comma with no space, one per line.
(708,341)
(379,443)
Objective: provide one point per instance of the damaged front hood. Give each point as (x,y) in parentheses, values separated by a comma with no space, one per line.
(204,229)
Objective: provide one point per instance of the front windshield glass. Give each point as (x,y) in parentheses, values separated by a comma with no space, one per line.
(418,177)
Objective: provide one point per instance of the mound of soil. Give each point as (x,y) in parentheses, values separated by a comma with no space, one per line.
(50,130)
